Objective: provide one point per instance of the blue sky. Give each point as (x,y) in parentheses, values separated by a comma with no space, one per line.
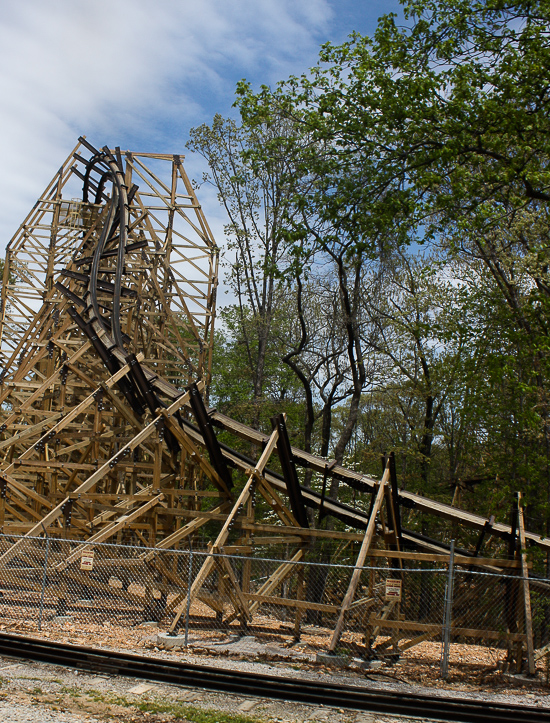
(140,73)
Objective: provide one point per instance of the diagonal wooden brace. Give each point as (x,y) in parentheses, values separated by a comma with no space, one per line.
(369,533)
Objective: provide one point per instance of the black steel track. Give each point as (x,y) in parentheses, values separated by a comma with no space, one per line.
(268,686)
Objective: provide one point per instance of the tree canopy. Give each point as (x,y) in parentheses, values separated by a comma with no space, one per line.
(404,185)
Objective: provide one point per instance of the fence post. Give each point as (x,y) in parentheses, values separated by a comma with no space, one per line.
(44,582)
(448,614)
(189,579)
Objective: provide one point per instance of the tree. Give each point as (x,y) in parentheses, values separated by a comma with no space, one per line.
(258,180)
(423,331)
(254,200)
(438,131)
(232,388)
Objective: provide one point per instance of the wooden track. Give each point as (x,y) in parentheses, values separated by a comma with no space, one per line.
(106,333)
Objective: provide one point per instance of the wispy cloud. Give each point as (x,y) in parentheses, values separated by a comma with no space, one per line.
(132,73)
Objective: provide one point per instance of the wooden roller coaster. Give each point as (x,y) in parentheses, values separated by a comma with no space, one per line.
(106,333)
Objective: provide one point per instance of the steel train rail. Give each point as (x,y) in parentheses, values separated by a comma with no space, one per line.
(269,686)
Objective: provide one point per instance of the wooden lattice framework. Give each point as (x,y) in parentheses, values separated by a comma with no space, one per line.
(170,262)
(108,304)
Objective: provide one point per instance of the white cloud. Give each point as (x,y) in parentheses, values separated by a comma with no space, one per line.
(132,73)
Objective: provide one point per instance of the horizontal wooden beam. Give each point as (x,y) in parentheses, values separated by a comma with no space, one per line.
(437,629)
(291,603)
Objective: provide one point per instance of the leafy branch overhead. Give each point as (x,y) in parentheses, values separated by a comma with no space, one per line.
(391,205)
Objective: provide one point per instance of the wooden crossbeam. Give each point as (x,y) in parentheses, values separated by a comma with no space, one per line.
(186,530)
(434,629)
(275,579)
(109,531)
(96,476)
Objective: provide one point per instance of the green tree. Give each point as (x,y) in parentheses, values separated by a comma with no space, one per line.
(438,130)
(254,200)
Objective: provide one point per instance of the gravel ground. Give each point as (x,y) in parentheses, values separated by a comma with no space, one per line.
(472,668)
(38,693)
(412,674)
(17,713)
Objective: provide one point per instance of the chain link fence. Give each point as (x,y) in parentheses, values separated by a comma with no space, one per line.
(428,621)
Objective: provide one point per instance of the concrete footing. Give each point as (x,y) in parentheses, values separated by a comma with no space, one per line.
(167,641)
(344,661)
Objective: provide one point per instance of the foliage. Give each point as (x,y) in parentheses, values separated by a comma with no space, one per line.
(410,250)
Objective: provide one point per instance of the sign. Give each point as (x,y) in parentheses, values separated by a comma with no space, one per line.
(87,561)
(393,590)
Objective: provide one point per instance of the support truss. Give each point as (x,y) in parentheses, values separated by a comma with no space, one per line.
(106,329)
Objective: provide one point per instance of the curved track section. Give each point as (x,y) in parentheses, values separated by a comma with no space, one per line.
(104,423)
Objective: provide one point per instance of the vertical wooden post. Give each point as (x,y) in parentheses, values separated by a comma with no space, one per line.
(300,592)
(526,592)
(510,599)
(250,510)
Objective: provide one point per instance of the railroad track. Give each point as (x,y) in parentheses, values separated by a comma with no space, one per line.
(268,686)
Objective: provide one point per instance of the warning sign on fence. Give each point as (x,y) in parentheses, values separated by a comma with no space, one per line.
(87,561)
(393,590)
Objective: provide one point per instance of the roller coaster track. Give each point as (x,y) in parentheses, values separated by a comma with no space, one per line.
(147,388)
(98,315)
(143,388)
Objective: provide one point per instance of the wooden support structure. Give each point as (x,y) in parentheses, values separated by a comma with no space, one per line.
(106,333)
(289,471)
(361,557)
(528,618)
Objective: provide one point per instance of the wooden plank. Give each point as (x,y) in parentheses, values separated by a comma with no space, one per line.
(435,629)
(300,595)
(276,578)
(362,602)
(417,640)
(361,557)
(526,591)
(73,414)
(204,464)
(109,531)
(96,476)
(301,531)
(277,540)
(29,430)
(51,464)
(220,540)
(415,501)
(459,559)
(239,598)
(275,502)
(224,532)
(292,603)
(542,652)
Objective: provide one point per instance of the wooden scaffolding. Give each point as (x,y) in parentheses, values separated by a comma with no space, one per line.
(106,332)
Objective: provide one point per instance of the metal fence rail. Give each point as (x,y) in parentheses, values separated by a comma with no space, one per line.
(432,620)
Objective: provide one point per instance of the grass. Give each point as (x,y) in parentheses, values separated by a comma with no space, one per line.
(178,710)
(196,715)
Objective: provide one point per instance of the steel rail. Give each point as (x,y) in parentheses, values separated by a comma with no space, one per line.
(440,708)
(122,201)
